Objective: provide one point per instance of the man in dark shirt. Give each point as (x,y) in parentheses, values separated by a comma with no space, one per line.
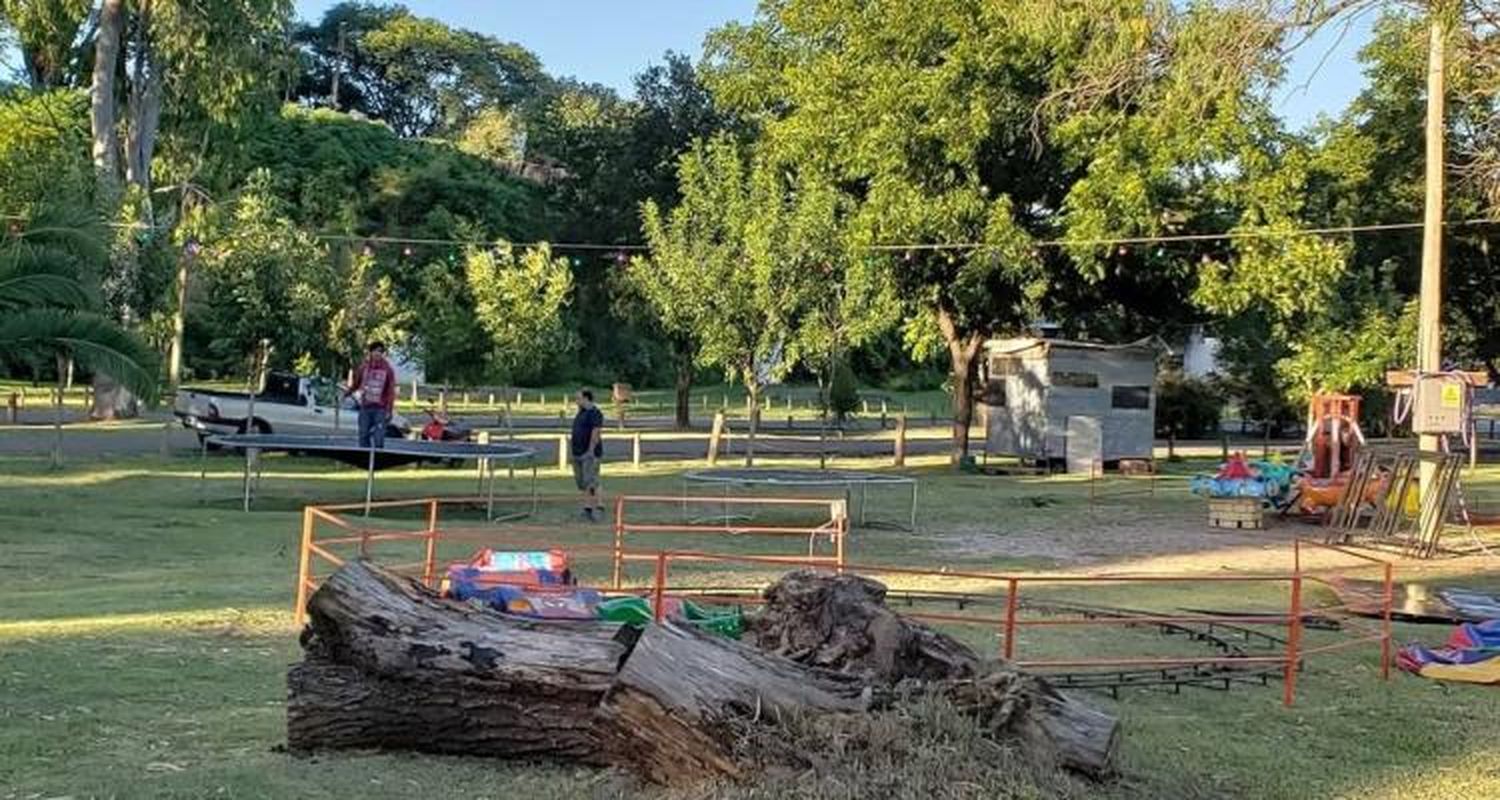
(587,447)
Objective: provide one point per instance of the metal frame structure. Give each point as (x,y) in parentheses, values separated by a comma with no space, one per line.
(1235,662)
(846,480)
(394,452)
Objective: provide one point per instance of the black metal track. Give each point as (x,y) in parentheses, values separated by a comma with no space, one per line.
(1228,638)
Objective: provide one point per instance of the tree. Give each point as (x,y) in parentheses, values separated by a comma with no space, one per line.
(418,75)
(519,301)
(1014,124)
(53,38)
(267,280)
(198,66)
(750,267)
(45,309)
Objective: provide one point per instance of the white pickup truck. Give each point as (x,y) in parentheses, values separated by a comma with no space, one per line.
(288,404)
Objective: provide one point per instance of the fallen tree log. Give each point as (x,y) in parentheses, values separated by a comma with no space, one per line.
(389,664)
(841,622)
(680,683)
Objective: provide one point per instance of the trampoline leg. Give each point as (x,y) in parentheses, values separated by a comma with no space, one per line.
(533,487)
(249,456)
(202,471)
(485,465)
(370,481)
(913,527)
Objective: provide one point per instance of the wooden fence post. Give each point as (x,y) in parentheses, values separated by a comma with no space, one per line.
(414,391)
(900,454)
(13,409)
(714,437)
(635,450)
(562,452)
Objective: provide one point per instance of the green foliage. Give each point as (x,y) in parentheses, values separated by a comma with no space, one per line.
(1350,353)
(266,279)
(1187,408)
(418,75)
(519,301)
(843,391)
(47,33)
(496,136)
(46,311)
(752,267)
(1002,124)
(44,146)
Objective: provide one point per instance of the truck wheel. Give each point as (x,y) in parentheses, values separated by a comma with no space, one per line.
(259,426)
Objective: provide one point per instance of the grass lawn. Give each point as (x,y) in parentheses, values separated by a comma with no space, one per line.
(145,630)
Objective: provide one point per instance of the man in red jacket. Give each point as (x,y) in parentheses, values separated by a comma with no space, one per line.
(374,388)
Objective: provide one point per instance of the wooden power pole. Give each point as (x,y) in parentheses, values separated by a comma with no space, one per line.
(1430,331)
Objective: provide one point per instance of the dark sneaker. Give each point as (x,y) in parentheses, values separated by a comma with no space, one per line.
(588,514)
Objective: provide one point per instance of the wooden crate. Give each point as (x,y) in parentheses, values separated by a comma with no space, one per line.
(1235,512)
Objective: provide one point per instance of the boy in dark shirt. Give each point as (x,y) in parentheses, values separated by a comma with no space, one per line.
(587,447)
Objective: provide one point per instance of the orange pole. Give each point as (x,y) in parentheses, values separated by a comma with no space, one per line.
(619,559)
(299,611)
(838,543)
(1293,642)
(429,569)
(1385,626)
(659,589)
(1013,587)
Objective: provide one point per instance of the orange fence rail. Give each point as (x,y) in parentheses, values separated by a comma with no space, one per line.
(1009,587)
(826,529)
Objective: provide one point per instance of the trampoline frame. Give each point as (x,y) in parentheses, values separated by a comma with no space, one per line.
(324,446)
(848,480)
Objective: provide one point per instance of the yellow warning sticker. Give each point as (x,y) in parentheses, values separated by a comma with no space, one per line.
(1453,396)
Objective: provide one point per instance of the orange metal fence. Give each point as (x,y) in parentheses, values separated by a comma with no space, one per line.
(824,532)
(1008,588)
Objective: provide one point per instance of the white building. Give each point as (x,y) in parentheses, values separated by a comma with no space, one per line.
(1077,402)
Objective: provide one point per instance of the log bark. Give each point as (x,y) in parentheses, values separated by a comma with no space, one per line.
(389,664)
(840,622)
(392,665)
(680,684)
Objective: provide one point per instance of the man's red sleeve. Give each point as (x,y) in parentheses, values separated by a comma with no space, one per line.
(388,397)
(359,378)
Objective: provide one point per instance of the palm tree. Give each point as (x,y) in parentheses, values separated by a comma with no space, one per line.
(47,312)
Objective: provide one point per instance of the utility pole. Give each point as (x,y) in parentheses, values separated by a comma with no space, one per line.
(1429,330)
(338,68)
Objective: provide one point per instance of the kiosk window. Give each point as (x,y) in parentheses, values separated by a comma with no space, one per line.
(1130,397)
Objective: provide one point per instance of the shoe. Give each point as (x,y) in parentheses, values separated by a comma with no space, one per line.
(588,515)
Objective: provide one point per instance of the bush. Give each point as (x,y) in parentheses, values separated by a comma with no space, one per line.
(843,391)
(1187,408)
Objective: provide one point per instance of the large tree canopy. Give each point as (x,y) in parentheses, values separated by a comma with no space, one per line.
(969,134)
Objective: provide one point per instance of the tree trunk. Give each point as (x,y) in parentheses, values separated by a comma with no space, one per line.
(684,412)
(64,367)
(391,665)
(963,353)
(679,683)
(143,117)
(102,95)
(179,321)
(111,400)
(753,387)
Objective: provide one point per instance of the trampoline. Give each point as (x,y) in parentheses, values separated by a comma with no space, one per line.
(395,453)
(855,484)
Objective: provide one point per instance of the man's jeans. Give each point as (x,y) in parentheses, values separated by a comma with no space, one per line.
(372,427)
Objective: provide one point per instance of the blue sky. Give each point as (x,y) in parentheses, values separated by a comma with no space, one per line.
(609,41)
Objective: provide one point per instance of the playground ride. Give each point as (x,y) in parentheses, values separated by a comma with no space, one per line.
(691,583)
(346,449)
(1333,441)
